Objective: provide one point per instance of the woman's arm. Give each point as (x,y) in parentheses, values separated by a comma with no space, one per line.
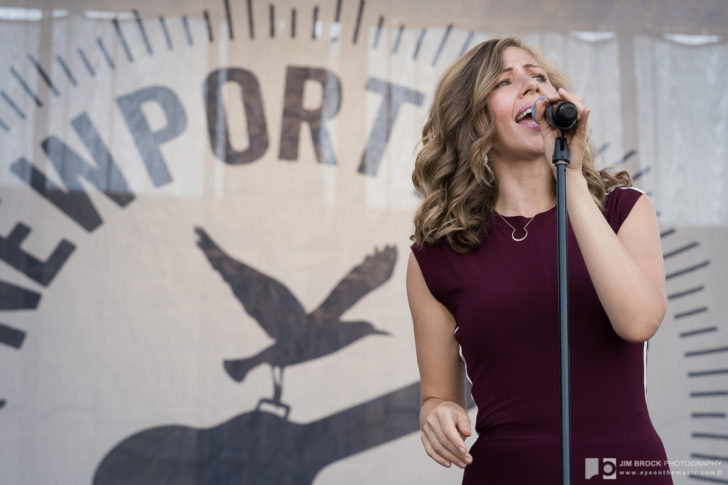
(626,268)
(443,418)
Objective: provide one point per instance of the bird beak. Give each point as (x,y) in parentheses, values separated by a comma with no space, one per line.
(382,332)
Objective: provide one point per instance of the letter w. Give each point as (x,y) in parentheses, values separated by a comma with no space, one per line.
(75,203)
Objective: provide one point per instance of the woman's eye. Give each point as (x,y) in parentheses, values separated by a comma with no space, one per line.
(505,82)
(540,77)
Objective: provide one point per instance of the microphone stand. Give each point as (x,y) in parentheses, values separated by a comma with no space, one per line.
(561,160)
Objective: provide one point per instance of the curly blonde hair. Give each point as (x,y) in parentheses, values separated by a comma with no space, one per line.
(459,189)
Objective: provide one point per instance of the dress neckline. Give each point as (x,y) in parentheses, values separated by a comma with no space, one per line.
(524,218)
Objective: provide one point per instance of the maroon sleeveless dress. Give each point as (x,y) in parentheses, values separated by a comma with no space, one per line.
(503,296)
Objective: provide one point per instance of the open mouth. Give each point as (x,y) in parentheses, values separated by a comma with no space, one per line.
(523,114)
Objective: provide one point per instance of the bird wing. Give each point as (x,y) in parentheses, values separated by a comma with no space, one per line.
(267,300)
(363,278)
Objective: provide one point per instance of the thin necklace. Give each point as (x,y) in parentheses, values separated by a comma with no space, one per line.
(513,234)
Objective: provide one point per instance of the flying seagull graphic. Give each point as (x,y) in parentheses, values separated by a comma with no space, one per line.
(299,336)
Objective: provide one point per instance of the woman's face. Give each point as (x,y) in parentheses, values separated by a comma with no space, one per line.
(520,83)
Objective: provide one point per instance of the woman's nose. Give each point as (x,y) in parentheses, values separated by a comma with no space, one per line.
(530,85)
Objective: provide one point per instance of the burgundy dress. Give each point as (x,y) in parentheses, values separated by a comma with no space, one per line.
(503,296)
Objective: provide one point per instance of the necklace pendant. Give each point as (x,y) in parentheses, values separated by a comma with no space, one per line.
(513,235)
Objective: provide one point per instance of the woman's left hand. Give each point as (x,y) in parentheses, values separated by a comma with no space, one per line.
(578,136)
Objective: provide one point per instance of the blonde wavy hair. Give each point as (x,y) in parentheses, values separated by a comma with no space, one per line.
(459,189)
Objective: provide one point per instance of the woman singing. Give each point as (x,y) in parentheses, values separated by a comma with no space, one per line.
(482,284)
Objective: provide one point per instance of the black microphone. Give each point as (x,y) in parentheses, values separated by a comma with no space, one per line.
(561,115)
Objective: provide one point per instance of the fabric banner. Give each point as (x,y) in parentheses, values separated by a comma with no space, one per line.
(205,210)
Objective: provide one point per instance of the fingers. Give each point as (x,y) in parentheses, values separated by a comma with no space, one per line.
(582,128)
(580,108)
(552,98)
(441,435)
(434,454)
(464,425)
(579,135)
(561,95)
(454,442)
(442,455)
(548,131)
(574,98)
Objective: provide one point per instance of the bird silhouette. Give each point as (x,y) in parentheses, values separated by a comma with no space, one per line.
(299,336)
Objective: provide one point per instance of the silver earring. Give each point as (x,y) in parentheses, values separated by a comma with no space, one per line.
(486,159)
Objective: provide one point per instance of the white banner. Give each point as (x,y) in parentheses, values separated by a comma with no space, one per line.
(204,221)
